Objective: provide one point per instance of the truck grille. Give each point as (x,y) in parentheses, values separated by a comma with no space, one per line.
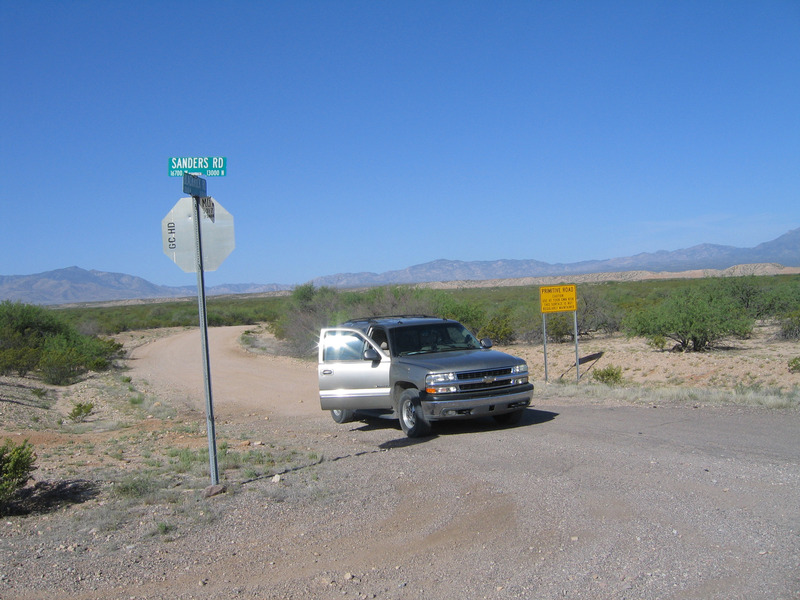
(484,380)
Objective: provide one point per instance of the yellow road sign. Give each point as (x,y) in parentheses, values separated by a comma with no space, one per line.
(558,298)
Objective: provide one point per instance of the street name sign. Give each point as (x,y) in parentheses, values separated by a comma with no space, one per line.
(194,185)
(210,166)
(558,298)
(177,234)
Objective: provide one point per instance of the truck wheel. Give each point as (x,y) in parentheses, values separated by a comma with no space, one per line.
(342,415)
(412,421)
(511,418)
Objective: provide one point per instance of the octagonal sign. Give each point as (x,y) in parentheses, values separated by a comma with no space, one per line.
(216,232)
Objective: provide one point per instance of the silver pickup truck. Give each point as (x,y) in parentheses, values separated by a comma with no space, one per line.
(418,369)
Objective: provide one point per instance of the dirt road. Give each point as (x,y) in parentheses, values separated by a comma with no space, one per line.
(579,501)
(243,384)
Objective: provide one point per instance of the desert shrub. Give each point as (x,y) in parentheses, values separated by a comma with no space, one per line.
(18,360)
(790,326)
(499,329)
(60,364)
(560,327)
(657,342)
(137,486)
(596,312)
(311,308)
(527,322)
(16,466)
(80,411)
(695,317)
(794,365)
(609,375)
(445,305)
(35,338)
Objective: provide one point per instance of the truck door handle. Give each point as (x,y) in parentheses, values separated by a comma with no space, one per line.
(327,372)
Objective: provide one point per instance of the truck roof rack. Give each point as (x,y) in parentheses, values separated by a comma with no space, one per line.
(385,317)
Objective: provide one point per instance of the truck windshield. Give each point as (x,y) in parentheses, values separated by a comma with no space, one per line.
(434,337)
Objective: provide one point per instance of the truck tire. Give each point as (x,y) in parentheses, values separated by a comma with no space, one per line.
(342,415)
(412,420)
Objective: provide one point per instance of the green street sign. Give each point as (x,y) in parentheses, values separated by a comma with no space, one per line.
(210,166)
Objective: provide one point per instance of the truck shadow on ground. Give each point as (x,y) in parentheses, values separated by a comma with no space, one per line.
(448,428)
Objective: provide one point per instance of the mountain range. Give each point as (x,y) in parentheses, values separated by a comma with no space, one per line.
(784,250)
(74,284)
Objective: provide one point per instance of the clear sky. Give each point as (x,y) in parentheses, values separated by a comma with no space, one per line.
(376,135)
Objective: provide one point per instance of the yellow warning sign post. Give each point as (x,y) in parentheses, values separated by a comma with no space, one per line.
(555,299)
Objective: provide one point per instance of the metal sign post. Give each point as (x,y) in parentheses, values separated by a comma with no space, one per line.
(192,220)
(201,307)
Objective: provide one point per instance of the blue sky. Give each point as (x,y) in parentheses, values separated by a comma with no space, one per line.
(373,136)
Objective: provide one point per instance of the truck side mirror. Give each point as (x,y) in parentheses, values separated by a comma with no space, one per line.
(486,342)
(371,354)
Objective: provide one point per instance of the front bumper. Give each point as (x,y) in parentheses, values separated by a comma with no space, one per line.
(478,404)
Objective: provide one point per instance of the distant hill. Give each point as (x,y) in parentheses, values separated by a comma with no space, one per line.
(784,250)
(75,285)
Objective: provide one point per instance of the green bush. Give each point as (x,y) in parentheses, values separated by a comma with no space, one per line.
(499,329)
(609,375)
(16,466)
(794,365)
(80,411)
(33,338)
(694,317)
(311,308)
(657,342)
(561,327)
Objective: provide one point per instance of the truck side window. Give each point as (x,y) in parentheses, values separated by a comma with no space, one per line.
(379,337)
(343,345)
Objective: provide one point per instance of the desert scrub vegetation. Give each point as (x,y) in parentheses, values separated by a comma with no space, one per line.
(80,411)
(610,375)
(698,314)
(794,365)
(694,314)
(790,326)
(310,308)
(508,314)
(694,318)
(105,320)
(34,339)
(16,465)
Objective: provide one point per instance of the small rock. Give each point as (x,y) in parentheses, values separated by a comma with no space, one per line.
(276,478)
(214,490)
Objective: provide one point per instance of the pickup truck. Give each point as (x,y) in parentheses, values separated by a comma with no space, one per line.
(418,369)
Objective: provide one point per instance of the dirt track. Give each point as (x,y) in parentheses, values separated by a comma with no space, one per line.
(579,501)
(243,384)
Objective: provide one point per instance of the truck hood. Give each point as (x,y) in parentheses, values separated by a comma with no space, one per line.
(460,360)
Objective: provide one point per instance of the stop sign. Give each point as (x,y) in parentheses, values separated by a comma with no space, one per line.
(177,234)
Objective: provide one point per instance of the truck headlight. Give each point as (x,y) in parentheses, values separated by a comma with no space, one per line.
(437,383)
(522,374)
